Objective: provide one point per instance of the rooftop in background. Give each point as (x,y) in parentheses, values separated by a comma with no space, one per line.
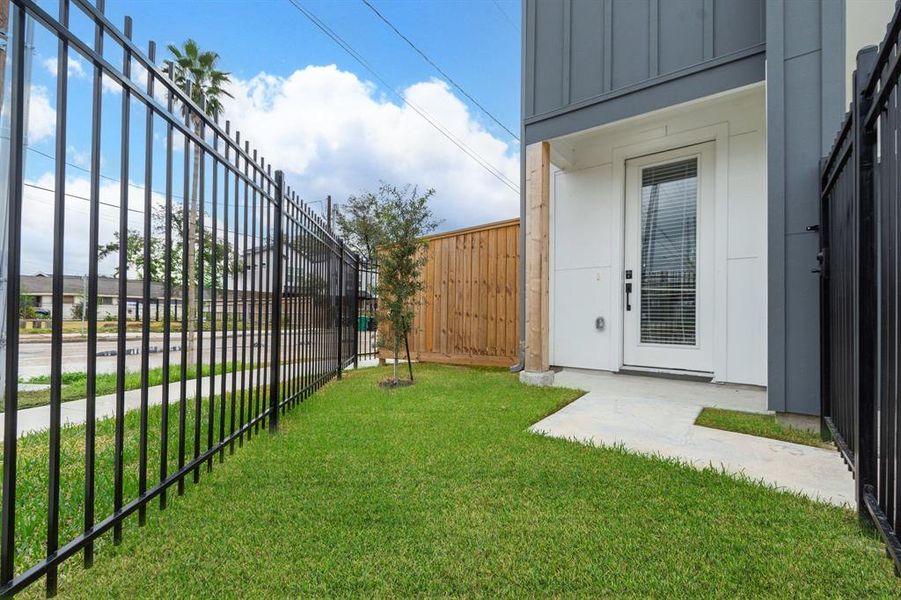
(41,284)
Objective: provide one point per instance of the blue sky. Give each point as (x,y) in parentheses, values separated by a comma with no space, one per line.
(471,40)
(310,108)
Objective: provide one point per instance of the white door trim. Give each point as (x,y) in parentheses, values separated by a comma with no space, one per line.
(697,357)
(719,134)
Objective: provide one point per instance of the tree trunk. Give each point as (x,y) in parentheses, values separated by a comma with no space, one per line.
(396,355)
(409,360)
(189,247)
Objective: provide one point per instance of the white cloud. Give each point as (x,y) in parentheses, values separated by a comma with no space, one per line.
(75,68)
(41,116)
(331,132)
(139,74)
(335,134)
(77,157)
(37,222)
(110,85)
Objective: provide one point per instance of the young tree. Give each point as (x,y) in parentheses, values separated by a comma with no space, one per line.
(134,254)
(76,313)
(358,223)
(404,217)
(27,306)
(207,90)
(214,248)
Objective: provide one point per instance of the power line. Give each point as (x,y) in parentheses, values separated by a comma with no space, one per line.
(136,186)
(506,16)
(437,68)
(76,196)
(496,173)
(422,113)
(208,227)
(102,176)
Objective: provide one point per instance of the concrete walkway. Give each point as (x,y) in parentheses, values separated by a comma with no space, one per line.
(31,420)
(656,416)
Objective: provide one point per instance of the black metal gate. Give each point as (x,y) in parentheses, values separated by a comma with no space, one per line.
(860,255)
(367,307)
(838,252)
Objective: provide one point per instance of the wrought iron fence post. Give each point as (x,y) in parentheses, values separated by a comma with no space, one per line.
(275,352)
(825,343)
(356,311)
(340,304)
(12,255)
(864,140)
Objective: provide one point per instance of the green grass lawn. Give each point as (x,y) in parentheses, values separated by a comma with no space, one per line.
(32,468)
(757,424)
(75,383)
(439,490)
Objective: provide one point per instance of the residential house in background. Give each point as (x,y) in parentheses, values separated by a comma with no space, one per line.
(670,184)
(256,267)
(308,275)
(297,270)
(40,288)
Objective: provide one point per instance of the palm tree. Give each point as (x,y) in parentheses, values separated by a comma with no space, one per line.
(207,90)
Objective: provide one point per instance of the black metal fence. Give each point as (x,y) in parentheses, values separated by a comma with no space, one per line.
(367,307)
(276,299)
(860,259)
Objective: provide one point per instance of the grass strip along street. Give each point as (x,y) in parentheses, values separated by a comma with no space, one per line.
(74,383)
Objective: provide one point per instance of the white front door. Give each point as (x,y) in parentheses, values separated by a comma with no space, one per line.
(668,272)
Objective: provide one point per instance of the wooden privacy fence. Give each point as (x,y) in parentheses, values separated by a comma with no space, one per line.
(469,309)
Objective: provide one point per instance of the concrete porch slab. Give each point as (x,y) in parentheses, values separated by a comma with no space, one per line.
(656,416)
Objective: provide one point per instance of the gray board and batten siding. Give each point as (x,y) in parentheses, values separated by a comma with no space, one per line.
(805,104)
(591,62)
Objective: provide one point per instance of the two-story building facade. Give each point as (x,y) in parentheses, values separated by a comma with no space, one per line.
(670,198)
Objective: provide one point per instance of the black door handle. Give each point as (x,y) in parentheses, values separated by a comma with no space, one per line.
(628,296)
(823,259)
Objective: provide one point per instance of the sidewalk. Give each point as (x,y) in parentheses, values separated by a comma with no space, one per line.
(656,416)
(31,420)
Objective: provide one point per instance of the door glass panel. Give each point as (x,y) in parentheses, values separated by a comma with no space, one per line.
(669,225)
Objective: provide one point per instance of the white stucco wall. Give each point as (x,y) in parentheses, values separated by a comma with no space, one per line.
(587,232)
